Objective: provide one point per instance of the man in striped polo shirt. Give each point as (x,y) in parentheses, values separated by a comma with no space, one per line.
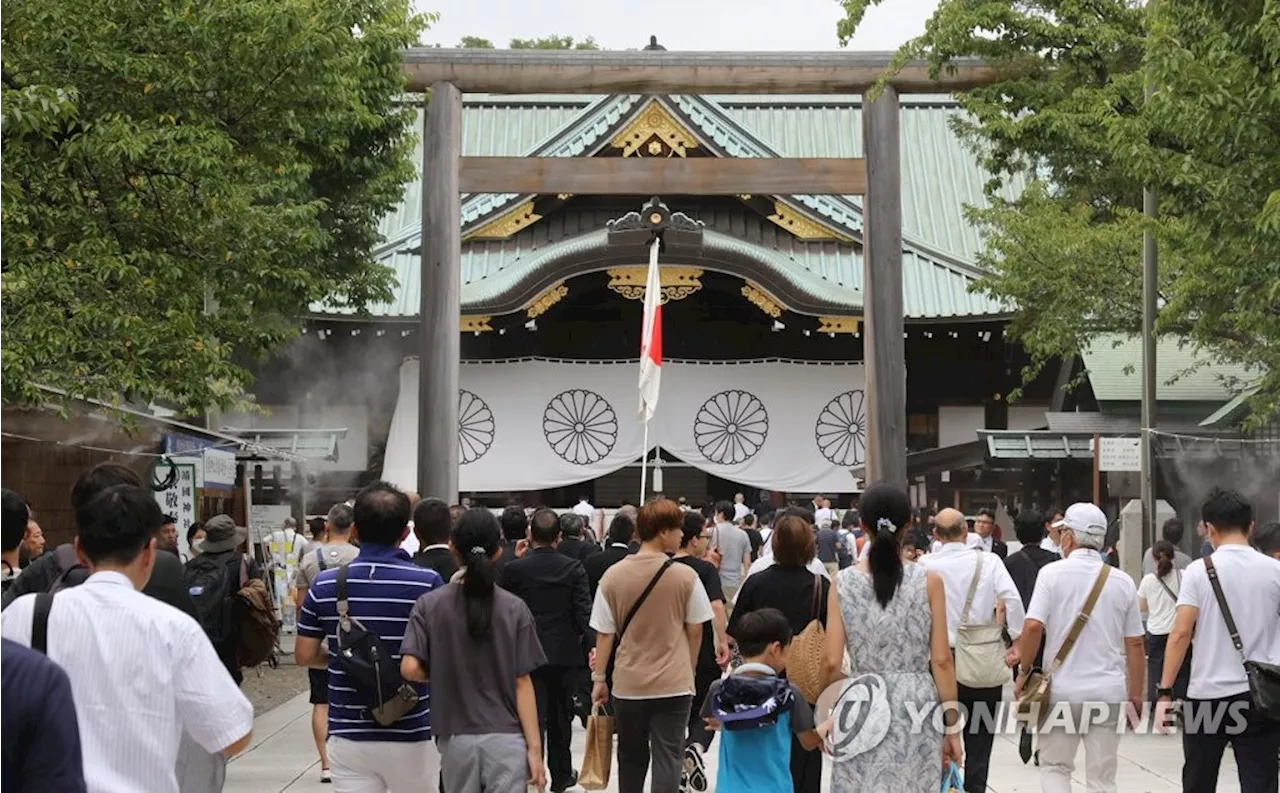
(382,586)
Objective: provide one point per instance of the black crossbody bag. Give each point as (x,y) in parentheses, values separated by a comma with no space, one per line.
(1264,678)
(365,659)
(617,640)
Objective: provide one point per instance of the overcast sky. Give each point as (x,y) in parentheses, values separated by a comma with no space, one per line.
(796,25)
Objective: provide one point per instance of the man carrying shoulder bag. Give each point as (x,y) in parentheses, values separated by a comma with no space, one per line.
(1230,601)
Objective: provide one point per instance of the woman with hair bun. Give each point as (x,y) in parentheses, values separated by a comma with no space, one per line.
(1158,602)
(476,644)
(891,619)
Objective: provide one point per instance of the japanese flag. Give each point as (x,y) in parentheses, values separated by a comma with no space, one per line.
(651,339)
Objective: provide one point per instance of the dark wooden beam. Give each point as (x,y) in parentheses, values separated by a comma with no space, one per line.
(885,351)
(663,176)
(578,72)
(439,343)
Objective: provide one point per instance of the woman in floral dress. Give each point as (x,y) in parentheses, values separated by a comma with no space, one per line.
(890,618)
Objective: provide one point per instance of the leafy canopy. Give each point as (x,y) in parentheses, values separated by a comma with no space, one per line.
(1069,113)
(182,180)
(552,42)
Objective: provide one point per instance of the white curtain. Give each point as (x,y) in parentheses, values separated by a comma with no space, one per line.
(534,424)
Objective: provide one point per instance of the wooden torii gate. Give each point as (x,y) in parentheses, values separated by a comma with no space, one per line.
(877,177)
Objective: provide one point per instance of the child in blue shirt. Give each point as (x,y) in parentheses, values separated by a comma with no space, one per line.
(757,712)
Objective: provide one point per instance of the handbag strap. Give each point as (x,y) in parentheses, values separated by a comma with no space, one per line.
(343,607)
(617,640)
(817,596)
(1222,604)
(973,587)
(40,622)
(1082,619)
(1166,588)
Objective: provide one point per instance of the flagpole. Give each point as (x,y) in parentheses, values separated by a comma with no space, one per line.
(644,465)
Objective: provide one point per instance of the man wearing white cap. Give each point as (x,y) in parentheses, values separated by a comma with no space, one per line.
(1102,670)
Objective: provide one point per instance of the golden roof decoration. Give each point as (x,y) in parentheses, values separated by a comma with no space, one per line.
(653,133)
(801,226)
(677,282)
(761,300)
(546,300)
(507,224)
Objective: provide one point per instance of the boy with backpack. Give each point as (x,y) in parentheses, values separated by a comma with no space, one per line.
(757,711)
(232,603)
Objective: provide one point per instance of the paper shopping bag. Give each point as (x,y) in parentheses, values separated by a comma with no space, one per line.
(599,758)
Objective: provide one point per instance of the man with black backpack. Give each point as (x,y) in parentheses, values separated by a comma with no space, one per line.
(214,580)
(379,725)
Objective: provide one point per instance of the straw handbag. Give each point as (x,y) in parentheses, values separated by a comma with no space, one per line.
(805,655)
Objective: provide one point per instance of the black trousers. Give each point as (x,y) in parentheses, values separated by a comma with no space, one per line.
(1204,741)
(980,707)
(651,729)
(698,732)
(806,768)
(553,687)
(1155,667)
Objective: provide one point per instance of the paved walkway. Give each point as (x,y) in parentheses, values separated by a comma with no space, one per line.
(282,758)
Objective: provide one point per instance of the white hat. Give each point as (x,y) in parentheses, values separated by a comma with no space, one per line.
(1084,518)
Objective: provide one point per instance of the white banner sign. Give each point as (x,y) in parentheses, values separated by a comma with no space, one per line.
(1119,454)
(179,501)
(532,425)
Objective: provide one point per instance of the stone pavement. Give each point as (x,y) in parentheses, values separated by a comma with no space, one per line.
(282,758)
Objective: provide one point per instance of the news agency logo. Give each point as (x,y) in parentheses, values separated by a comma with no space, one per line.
(862,713)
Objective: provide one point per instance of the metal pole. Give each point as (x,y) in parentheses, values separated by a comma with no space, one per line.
(1150,267)
(644,465)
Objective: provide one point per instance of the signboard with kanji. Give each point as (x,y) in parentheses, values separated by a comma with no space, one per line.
(180,501)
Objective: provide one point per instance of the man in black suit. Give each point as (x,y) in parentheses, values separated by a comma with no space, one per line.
(432,522)
(571,542)
(554,586)
(515,528)
(1024,565)
(984,525)
(621,532)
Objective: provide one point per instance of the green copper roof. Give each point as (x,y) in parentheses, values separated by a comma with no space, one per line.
(827,270)
(1114,362)
(939,174)
(939,177)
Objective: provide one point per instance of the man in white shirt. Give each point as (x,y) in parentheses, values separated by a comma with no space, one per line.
(141,671)
(1218,708)
(1104,668)
(740,508)
(734,547)
(956,563)
(585,509)
(1052,531)
(822,510)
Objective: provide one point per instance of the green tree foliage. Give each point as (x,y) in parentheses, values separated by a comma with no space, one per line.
(554,43)
(1068,112)
(475,43)
(181,181)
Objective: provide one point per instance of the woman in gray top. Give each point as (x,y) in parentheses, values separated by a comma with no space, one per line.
(476,644)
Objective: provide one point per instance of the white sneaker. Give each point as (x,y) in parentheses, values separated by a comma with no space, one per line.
(325,776)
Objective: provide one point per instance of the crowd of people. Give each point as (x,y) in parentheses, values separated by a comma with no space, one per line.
(451,648)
